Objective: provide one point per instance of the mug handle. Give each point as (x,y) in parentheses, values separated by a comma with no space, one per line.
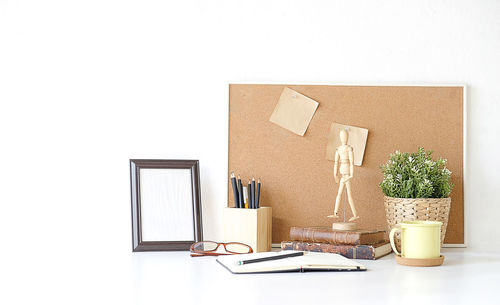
(391,238)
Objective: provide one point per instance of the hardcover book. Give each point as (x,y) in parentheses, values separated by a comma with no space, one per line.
(370,252)
(331,236)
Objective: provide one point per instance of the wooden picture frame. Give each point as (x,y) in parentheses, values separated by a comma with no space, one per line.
(166,204)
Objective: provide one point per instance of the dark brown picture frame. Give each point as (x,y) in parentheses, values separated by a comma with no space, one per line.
(135,179)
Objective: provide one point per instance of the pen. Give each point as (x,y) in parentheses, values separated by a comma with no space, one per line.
(257,198)
(240,197)
(269,258)
(235,190)
(250,204)
(254,202)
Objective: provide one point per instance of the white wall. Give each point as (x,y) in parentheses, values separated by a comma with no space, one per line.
(86,85)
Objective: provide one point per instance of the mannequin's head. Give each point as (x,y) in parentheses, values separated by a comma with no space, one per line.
(344,136)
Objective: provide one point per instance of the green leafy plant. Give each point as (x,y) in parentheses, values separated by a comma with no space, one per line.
(415,175)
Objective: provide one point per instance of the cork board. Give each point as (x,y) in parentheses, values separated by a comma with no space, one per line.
(297,179)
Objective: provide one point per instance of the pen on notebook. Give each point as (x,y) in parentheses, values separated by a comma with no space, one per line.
(235,190)
(250,204)
(240,193)
(269,258)
(254,201)
(245,198)
(257,198)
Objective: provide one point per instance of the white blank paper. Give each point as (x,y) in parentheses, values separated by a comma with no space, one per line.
(166,204)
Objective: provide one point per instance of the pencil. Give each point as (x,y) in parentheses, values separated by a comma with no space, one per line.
(250,204)
(270,258)
(235,190)
(257,198)
(254,202)
(240,188)
(245,198)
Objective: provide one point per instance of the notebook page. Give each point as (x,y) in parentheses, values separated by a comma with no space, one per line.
(325,260)
(231,262)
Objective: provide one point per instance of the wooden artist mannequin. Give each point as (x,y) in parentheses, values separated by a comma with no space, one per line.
(344,155)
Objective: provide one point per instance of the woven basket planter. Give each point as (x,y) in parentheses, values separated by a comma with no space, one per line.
(407,209)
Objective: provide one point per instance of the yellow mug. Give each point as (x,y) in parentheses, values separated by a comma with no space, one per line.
(419,239)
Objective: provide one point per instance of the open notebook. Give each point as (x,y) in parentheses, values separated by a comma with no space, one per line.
(310,261)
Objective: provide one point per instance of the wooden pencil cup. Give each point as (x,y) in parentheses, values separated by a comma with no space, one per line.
(249,226)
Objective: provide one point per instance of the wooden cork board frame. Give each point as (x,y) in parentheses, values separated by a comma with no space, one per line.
(298,180)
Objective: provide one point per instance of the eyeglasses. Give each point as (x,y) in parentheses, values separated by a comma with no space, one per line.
(203,248)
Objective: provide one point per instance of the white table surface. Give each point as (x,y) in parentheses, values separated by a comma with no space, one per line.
(465,278)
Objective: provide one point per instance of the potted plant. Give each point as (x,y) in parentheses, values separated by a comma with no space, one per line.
(416,188)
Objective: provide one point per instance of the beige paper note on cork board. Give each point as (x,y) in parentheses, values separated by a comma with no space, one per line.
(294,111)
(357,139)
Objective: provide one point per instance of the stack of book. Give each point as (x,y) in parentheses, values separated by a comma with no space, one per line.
(357,244)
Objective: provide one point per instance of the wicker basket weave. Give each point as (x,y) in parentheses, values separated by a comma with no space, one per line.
(407,209)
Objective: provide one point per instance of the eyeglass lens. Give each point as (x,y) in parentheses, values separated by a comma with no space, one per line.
(205,246)
(237,248)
